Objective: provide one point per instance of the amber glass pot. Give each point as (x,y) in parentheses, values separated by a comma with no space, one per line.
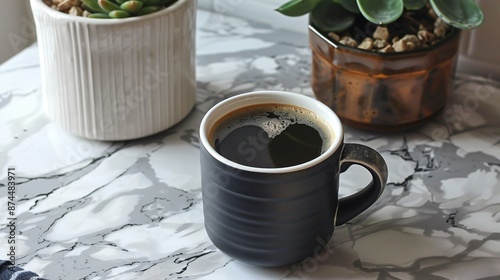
(383,92)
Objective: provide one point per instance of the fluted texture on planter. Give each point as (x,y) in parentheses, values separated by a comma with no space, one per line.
(117,79)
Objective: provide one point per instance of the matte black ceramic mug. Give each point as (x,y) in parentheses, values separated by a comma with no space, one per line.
(279,216)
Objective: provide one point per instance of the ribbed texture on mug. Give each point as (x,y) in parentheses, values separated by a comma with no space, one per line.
(114,81)
(268,219)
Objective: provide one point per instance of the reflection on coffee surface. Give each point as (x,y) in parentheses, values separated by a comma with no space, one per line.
(271,135)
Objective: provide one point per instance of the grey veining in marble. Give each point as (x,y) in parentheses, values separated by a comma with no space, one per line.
(132,210)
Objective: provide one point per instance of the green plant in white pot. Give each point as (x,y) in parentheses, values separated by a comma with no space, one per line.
(385,64)
(114,77)
(109,8)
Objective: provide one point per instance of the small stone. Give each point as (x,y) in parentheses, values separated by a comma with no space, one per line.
(426,36)
(86,13)
(334,36)
(67,4)
(348,41)
(57,2)
(395,39)
(387,49)
(399,46)
(433,14)
(439,31)
(380,44)
(407,43)
(48,2)
(54,7)
(367,44)
(412,39)
(381,33)
(75,11)
(440,23)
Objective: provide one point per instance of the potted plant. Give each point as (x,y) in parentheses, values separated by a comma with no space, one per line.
(384,64)
(114,69)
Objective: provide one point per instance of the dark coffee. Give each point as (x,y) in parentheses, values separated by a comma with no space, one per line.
(271,135)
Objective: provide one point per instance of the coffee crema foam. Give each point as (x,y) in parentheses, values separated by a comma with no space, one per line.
(273,119)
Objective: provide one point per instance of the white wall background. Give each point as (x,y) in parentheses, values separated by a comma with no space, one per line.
(479,48)
(17,30)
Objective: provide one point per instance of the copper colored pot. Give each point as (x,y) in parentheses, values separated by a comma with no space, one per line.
(383,92)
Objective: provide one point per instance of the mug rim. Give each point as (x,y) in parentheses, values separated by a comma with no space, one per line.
(259,97)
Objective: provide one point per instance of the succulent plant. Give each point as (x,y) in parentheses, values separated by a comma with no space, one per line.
(123,8)
(340,15)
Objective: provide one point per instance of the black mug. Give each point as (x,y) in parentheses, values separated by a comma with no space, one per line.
(279,216)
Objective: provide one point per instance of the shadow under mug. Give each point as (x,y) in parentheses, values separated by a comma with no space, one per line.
(279,216)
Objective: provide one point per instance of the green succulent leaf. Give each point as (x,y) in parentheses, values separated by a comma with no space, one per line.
(148,10)
(119,14)
(414,4)
(350,5)
(122,1)
(131,6)
(463,14)
(108,6)
(381,11)
(99,15)
(331,17)
(295,8)
(92,6)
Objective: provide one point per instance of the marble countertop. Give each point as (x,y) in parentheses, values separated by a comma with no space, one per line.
(132,210)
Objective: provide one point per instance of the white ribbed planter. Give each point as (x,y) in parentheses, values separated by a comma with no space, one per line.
(117,79)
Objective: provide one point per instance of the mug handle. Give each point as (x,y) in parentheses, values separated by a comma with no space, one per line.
(351,206)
